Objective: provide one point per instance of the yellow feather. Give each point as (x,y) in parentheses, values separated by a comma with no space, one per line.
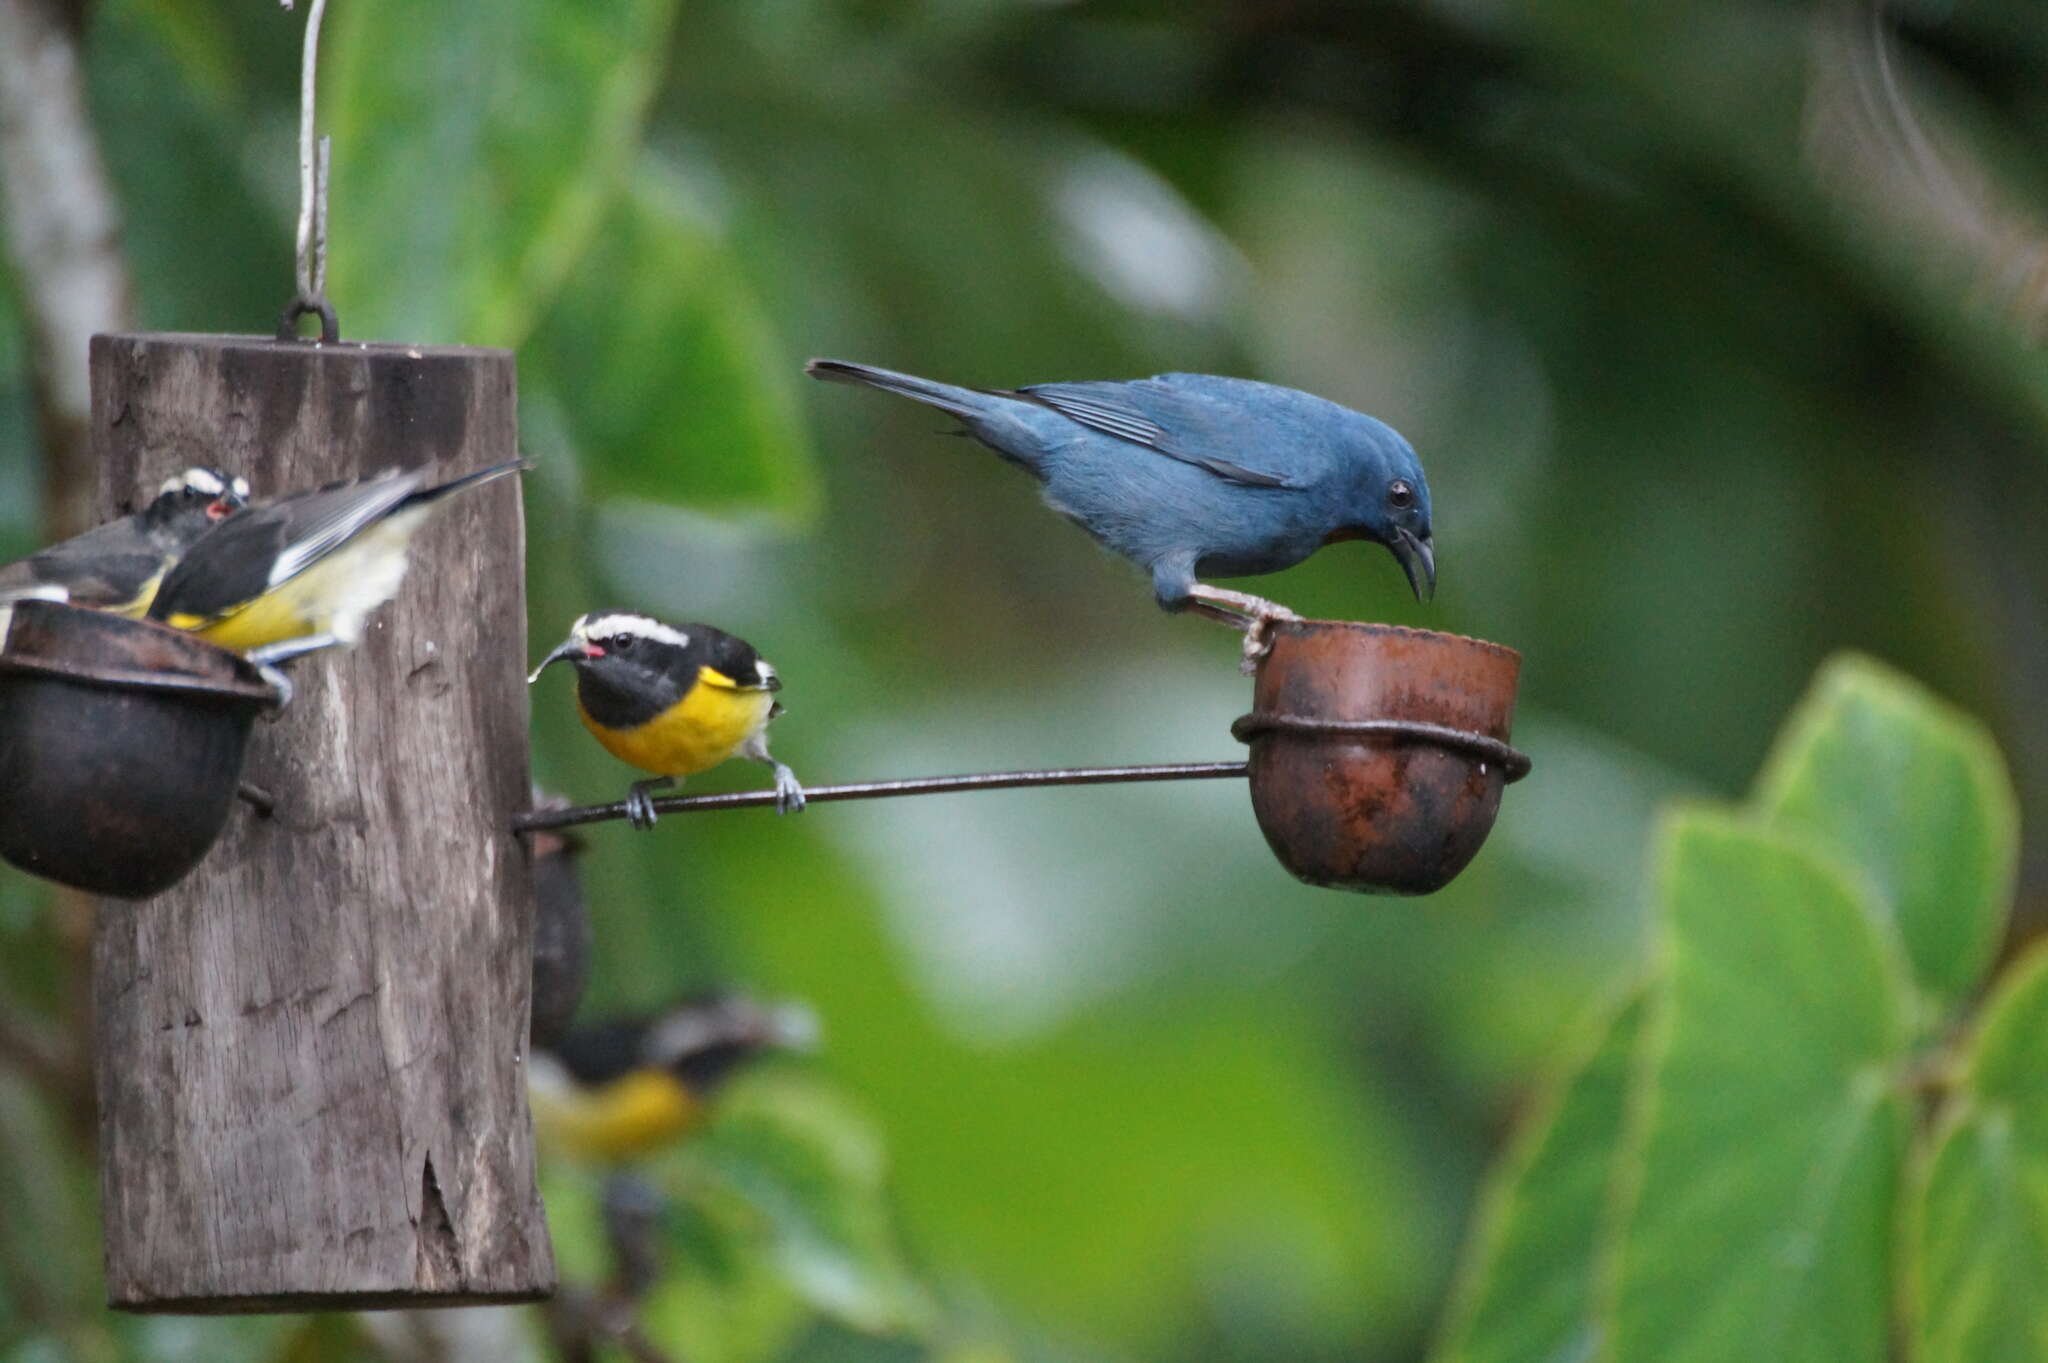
(631,1115)
(333,594)
(695,734)
(138,607)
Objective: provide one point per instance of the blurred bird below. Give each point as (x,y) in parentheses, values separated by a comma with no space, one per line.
(117,566)
(617,1090)
(1187,474)
(672,699)
(312,565)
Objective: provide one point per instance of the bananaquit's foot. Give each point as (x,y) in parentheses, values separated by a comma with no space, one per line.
(270,658)
(789,796)
(275,678)
(640,800)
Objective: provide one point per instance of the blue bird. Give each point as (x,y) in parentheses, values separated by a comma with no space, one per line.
(1195,475)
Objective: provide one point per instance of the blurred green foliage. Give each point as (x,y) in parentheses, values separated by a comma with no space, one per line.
(1691,420)
(1727,1176)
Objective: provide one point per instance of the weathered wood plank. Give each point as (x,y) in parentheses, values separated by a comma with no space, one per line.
(311,1054)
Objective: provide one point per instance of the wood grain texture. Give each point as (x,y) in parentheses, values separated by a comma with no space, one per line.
(311,1054)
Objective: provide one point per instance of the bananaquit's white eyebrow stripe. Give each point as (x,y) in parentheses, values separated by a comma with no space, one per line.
(604,626)
(196,480)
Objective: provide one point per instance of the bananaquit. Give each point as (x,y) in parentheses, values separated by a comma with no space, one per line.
(313,564)
(616,1090)
(117,566)
(672,699)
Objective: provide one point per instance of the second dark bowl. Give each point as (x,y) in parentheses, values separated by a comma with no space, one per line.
(1378,753)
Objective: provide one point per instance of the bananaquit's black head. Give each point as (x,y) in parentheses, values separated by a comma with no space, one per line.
(702,1041)
(631,668)
(199,495)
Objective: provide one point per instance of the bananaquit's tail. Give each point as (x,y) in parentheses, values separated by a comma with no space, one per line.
(961,402)
(435,494)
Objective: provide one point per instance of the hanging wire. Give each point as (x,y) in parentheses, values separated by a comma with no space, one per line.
(536,819)
(312,237)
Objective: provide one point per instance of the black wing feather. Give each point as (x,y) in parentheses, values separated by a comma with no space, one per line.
(1096,406)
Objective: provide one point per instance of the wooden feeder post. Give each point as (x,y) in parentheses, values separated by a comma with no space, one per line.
(311,1053)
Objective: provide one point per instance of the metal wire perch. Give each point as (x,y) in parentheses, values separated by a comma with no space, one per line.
(536,819)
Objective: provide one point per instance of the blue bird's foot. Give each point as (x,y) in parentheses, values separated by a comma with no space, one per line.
(640,801)
(1258,639)
(1255,615)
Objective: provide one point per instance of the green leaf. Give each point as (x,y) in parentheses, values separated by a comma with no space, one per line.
(815,1171)
(1977,1275)
(720,1295)
(476,148)
(1772,1123)
(1915,795)
(723,1297)
(1527,1292)
(668,371)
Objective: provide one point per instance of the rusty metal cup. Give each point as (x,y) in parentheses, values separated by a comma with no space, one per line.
(121,745)
(1378,754)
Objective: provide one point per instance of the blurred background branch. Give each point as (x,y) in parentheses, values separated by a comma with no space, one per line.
(63,237)
(63,240)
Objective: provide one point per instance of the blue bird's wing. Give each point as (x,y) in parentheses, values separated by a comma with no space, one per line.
(1193,428)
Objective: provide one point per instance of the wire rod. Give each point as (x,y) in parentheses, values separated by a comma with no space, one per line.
(310,295)
(534,820)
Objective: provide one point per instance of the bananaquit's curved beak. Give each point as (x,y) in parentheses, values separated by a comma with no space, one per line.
(1418,559)
(572,649)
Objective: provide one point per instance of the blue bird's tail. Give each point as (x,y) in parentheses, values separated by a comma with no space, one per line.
(961,402)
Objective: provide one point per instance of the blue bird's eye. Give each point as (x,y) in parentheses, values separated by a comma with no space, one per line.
(1400,496)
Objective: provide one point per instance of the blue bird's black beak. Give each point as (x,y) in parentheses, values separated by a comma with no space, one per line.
(1417,557)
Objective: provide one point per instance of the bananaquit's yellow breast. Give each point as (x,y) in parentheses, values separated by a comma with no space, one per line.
(714,717)
(138,606)
(634,1114)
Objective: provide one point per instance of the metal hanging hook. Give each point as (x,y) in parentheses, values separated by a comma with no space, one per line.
(312,238)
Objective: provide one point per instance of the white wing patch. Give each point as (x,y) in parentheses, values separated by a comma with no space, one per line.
(342,523)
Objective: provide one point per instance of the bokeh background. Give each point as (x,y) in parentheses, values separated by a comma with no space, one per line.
(1717,334)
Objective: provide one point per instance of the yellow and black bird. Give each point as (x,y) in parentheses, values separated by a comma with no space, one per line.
(616,1090)
(672,699)
(117,566)
(313,564)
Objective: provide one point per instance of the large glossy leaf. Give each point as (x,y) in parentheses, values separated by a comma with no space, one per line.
(719,1295)
(1978,1272)
(1529,1288)
(1916,796)
(1773,1124)
(667,369)
(476,148)
(723,1297)
(815,1171)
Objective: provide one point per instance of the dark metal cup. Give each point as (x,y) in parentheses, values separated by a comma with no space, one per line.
(1378,754)
(121,745)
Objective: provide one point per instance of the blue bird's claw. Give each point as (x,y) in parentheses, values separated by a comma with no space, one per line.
(1255,615)
(1258,638)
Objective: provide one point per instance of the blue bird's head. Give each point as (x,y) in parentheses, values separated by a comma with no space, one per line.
(1388,502)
